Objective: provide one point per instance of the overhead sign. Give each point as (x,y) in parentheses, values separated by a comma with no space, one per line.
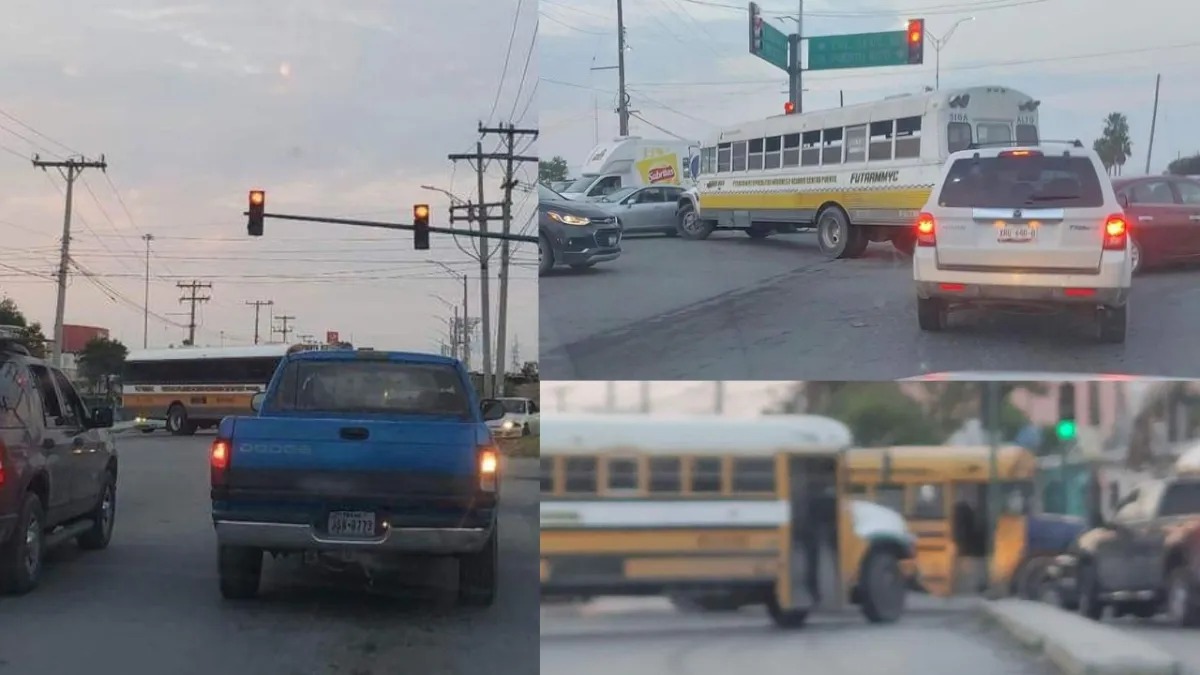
(858,50)
(766,41)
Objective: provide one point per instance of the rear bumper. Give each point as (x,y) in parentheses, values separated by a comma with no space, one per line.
(1109,285)
(296,537)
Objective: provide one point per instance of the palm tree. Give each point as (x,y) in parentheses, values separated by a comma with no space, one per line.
(1114,145)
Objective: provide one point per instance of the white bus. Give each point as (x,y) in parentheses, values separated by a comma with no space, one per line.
(194,388)
(856,174)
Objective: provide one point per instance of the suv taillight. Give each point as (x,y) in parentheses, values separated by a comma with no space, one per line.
(1116,233)
(218,460)
(926,236)
(489,467)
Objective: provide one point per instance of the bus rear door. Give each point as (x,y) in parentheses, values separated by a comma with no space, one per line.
(809,577)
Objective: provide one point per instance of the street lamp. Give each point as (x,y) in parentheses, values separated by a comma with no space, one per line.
(455,199)
(938,43)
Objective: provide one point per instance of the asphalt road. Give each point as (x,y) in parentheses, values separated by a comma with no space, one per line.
(928,641)
(1182,643)
(150,605)
(734,308)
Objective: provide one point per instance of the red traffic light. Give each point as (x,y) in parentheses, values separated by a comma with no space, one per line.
(421,227)
(789,108)
(916,41)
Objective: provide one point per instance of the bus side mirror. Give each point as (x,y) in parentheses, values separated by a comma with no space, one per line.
(256,401)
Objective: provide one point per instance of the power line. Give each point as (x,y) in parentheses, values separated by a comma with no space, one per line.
(512,34)
(524,73)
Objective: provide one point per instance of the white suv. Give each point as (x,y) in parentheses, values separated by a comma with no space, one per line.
(1025,225)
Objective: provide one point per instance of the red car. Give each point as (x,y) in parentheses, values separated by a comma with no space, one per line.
(1164,218)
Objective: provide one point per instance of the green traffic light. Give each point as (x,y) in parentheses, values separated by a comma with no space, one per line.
(1066,430)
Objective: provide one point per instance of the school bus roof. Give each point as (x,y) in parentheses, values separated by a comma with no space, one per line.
(583,434)
(943,461)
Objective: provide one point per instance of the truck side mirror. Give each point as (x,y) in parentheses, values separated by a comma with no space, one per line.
(256,401)
(102,417)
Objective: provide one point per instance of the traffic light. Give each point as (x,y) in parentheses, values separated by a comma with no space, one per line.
(789,108)
(421,227)
(916,41)
(1066,428)
(254,225)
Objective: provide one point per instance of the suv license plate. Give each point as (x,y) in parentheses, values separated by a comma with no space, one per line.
(355,524)
(1017,233)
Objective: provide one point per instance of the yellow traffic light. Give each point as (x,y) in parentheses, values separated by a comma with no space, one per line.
(257,197)
(421,211)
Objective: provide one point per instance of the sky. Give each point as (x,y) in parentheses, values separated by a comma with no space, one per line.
(334,108)
(689,70)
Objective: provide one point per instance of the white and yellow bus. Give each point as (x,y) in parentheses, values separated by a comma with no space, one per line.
(856,174)
(751,510)
(193,388)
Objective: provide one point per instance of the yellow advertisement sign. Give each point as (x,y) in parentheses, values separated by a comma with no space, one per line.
(660,170)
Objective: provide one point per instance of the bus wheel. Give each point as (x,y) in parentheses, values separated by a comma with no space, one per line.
(883,588)
(689,225)
(177,421)
(835,235)
(786,619)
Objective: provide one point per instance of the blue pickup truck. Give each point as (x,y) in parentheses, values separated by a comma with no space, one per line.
(359,456)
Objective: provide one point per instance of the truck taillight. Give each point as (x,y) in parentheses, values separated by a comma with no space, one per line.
(489,467)
(218,459)
(926,226)
(1116,233)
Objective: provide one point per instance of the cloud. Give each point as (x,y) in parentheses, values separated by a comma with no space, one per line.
(692,73)
(192,108)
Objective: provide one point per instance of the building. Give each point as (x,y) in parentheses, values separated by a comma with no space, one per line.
(75,338)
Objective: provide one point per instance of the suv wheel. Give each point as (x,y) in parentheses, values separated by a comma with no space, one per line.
(931,314)
(545,255)
(21,556)
(1112,324)
(103,517)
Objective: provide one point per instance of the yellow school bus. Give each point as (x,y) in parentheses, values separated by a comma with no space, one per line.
(752,509)
(943,491)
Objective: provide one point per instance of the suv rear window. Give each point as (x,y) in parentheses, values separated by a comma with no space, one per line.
(1014,182)
(371,387)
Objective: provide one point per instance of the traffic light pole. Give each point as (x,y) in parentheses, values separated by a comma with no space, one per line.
(397,226)
(795,73)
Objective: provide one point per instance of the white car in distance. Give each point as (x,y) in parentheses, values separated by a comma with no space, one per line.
(1029,226)
(521,418)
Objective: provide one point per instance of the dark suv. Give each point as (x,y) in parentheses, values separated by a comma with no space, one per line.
(577,234)
(58,466)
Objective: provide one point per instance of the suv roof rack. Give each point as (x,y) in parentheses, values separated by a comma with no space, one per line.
(12,340)
(1076,143)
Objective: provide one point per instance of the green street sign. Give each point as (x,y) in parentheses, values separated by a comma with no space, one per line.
(858,50)
(766,41)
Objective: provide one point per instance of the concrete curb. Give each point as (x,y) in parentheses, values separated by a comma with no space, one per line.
(1076,645)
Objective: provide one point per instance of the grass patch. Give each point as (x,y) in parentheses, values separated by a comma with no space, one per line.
(526,446)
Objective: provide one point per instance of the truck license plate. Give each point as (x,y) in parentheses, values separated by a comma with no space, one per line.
(358,524)
(1016,233)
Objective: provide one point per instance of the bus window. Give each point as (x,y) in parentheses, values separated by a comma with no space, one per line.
(547,475)
(1027,134)
(739,156)
(754,475)
(908,138)
(929,502)
(881,141)
(831,152)
(791,150)
(706,475)
(958,136)
(891,496)
(666,475)
(755,162)
(856,144)
(580,475)
(622,475)
(772,159)
(723,154)
(993,132)
(857,490)
(810,149)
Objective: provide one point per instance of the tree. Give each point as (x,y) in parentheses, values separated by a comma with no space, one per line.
(552,169)
(1114,145)
(880,414)
(11,315)
(1185,166)
(100,358)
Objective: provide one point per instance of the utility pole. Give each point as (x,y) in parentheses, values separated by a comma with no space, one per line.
(1153,122)
(146,299)
(466,332)
(258,305)
(479,214)
(285,330)
(69,169)
(795,74)
(193,299)
(610,396)
(560,395)
(510,132)
(623,104)
(719,400)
